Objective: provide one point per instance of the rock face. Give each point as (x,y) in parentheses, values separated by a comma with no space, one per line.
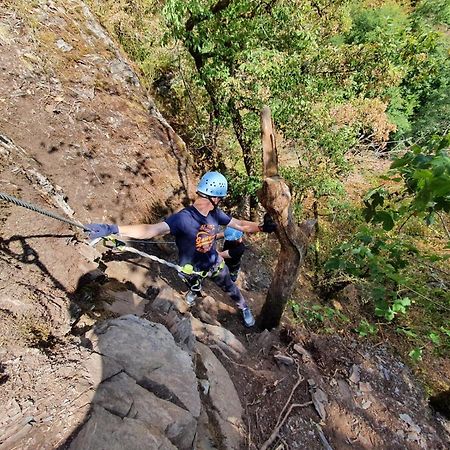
(152,395)
(78,132)
(227,411)
(147,393)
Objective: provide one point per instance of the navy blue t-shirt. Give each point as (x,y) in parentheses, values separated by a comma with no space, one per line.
(195,236)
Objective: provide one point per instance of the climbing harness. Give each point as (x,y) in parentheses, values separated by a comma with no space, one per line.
(18,202)
(187,269)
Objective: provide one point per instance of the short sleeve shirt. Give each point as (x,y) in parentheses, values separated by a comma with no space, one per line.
(195,236)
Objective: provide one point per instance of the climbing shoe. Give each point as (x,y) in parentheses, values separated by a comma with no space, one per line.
(247,315)
(191,296)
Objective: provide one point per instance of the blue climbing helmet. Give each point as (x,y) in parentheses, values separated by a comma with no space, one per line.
(231,234)
(213,184)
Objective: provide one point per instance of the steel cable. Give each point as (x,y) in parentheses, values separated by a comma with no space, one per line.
(18,202)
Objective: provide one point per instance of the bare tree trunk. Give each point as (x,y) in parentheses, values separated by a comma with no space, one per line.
(275,196)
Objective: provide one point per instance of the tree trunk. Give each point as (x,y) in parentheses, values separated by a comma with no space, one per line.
(246,147)
(275,196)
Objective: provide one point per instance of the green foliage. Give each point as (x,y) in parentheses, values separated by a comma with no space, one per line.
(436,338)
(247,54)
(416,354)
(335,74)
(321,183)
(241,186)
(414,58)
(379,261)
(317,315)
(425,172)
(395,277)
(437,11)
(366,329)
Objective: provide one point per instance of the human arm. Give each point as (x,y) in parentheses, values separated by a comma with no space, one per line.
(236,252)
(246,226)
(225,254)
(142,231)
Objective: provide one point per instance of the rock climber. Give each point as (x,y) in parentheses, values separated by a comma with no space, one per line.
(195,229)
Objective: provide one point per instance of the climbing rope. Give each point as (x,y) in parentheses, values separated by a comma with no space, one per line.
(187,269)
(18,202)
(112,242)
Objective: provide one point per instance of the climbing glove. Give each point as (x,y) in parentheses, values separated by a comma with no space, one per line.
(98,230)
(268,226)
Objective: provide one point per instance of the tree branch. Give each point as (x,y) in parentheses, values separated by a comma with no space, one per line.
(193,21)
(275,432)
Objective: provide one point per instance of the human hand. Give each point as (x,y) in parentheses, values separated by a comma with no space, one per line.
(268,226)
(98,230)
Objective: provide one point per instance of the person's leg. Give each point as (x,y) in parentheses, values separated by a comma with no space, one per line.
(223,280)
(194,283)
(234,275)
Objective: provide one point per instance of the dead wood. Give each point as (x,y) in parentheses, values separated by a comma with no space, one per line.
(275,196)
(277,429)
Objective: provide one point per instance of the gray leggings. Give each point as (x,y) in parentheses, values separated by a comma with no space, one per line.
(223,280)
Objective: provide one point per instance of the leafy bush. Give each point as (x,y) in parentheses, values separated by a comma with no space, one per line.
(425,172)
(380,262)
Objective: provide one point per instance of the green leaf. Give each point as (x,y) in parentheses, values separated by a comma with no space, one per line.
(403,302)
(445,142)
(401,162)
(385,218)
(435,339)
(365,328)
(415,354)
(440,186)
(389,314)
(406,332)
(333,264)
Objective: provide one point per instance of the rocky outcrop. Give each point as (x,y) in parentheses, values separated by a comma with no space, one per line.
(227,411)
(147,387)
(151,395)
(77,122)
